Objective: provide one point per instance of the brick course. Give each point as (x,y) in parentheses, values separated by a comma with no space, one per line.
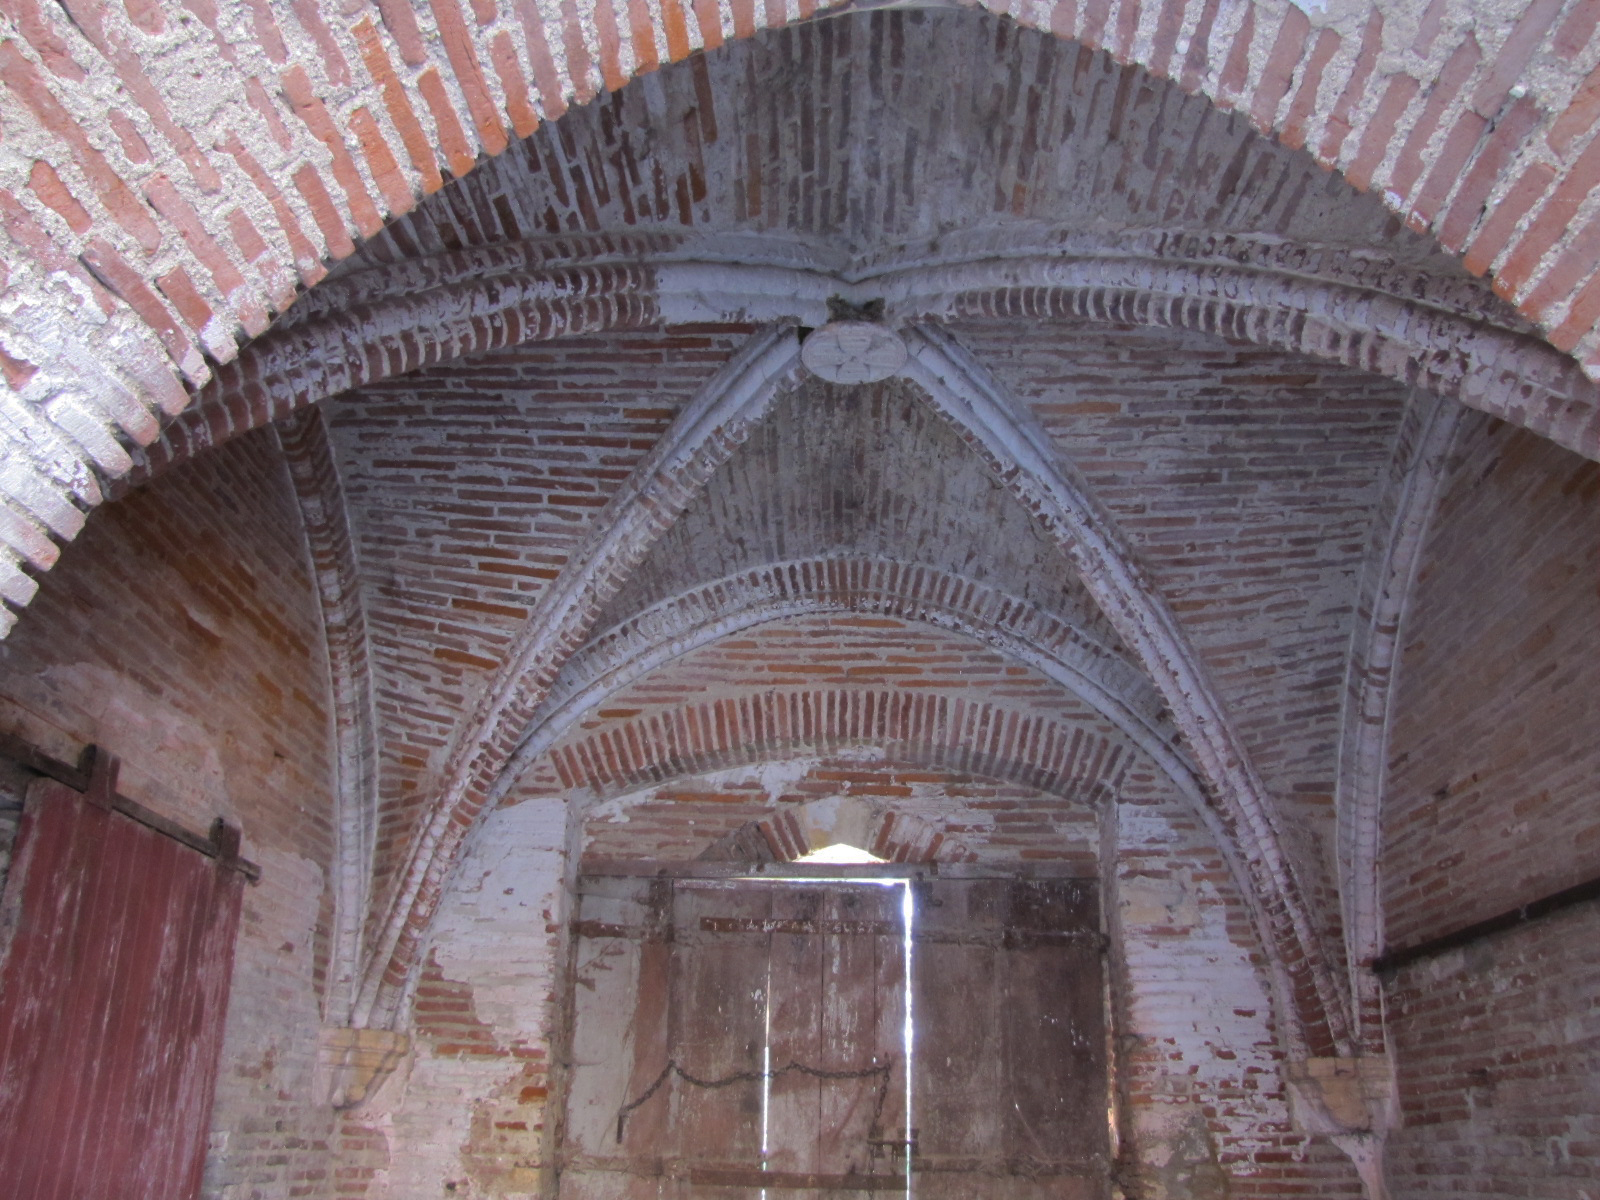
(1217,334)
(1491,781)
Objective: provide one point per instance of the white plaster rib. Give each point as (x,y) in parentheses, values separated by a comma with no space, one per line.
(701,437)
(1484,366)
(325,520)
(1023,457)
(1416,476)
(493,297)
(1021,451)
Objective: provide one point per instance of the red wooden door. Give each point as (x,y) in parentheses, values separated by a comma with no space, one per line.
(113,988)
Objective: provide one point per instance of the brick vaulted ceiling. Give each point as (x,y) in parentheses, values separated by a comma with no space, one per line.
(1165,375)
(830,134)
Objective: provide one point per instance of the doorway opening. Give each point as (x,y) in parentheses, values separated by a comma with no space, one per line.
(823,1029)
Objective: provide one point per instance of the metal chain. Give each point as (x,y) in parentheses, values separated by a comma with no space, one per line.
(672,1068)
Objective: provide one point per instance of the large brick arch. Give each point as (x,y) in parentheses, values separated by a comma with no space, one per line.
(144,239)
(614,659)
(539,290)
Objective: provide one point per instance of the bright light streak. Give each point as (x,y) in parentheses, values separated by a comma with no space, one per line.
(840,853)
(908,913)
(766,1081)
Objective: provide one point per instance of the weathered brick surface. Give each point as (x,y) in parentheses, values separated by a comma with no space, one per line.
(147,225)
(1245,481)
(838,471)
(1494,756)
(468,491)
(1205,1110)
(184,637)
(467,1107)
(1490,805)
(431,87)
(1498,1051)
(837,680)
(751,139)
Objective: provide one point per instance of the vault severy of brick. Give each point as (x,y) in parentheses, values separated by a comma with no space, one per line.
(992,739)
(1179,217)
(701,437)
(469,489)
(615,658)
(872,471)
(1449,138)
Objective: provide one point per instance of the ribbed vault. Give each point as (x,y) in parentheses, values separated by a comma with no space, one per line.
(1049,189)
(1047,182)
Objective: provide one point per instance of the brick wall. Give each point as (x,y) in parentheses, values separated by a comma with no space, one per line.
(464,1114)
(173,225)
(1491,805)
(1245,480)
(1205,1111)
(1499,1050)
(824,681)
(1493,754)
(182,634)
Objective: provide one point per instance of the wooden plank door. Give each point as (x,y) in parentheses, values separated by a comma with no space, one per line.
(838,989)
(611,1149)
(113,990)
(732,1037)
(751,1035)
(1010,1092)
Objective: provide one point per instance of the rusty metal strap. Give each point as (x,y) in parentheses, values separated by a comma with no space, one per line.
(1582,893)
(672,1068)
(96,777)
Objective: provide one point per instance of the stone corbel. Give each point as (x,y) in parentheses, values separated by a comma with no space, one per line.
(1354,1101)
(355,1062)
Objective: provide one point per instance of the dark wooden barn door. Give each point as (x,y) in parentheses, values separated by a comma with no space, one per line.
(730,1038)
(738,1039)
(1009,1087)
(113,990)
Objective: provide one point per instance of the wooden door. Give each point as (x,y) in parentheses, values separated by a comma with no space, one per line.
(113,989)
(731,1038)
(737,1039)
(1010,1092)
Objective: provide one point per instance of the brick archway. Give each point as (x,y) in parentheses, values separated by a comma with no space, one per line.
(137,246)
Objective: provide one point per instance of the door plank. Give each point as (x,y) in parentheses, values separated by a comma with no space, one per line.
(719,1010)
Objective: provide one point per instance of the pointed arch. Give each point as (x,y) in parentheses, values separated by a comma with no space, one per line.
(799,829)
(699,440)
(146,257)
(1235,804)
(950,732)
(308,454)
(1391,321)
(618,657)
(1404,516)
